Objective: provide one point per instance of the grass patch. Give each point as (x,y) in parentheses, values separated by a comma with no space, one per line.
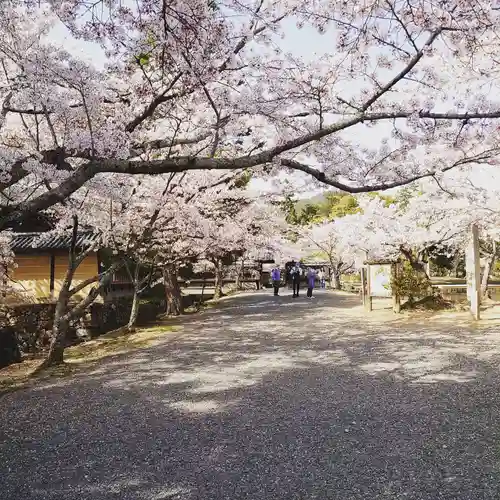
(117,342)
(20,375)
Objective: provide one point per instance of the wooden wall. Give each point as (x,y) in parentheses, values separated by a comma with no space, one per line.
(87,269)
(31,279)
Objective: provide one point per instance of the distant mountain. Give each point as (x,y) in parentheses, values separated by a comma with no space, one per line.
(315,200)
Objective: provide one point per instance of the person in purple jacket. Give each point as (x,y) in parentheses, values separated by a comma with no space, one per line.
(311,280)
(276,278)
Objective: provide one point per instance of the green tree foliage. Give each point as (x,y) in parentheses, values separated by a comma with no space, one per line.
(310,213)
(335,204)
(242,180)
(410,283)
(387,199)
(405,195)
(289,209)
(339,205)
(331,206)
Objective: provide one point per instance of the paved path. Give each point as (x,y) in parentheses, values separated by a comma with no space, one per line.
(268,399)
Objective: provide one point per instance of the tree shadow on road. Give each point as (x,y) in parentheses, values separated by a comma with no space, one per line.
(262,407)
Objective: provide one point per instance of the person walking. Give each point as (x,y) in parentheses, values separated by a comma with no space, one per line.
(295,273)
(276,279)
(311,280)
(321,276)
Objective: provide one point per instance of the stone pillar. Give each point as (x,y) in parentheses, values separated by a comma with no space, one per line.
(368,299)
(363,285)
(396,299)
(472,266)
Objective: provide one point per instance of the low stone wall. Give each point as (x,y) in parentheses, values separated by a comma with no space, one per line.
(459,294)
(26,329)
(114,314)
(32,324)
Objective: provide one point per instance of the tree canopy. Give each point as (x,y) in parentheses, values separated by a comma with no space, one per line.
(194,85)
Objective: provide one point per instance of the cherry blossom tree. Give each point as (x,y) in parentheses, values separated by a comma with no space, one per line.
(6,262)
(387,232)
(434,220)
(161,226)
(466,204)
(128,223)
(327,241)
(194,85)
(182,243)
(90,213)
(68,310)
(239,226)
(226,240)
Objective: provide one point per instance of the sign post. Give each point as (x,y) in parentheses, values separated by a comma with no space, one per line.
(378,277)
(379,282)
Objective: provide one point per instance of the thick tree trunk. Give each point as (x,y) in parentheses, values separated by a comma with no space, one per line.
(173,295)
(335,276)
(456,265)
(336,281)
(60,326)
(57,345)
(240,276)
(486,275)
(134,311)
(203,291)
(218,280)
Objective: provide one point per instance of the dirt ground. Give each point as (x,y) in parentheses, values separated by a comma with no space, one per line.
(269,398)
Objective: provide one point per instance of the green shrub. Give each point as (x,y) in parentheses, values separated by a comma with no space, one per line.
(411,283)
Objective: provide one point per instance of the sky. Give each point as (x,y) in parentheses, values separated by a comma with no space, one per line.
(308,44)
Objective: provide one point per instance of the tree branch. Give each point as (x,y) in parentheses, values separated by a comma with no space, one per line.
(182,164)
(151,108)
(33,112)
(82,306)
(413,62)
(382,186)
(138,148)
(85,283)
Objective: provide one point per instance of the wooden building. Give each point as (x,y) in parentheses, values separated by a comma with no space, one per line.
(41,262)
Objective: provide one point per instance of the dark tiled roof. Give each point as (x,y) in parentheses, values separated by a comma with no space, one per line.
(50,241)
(262,257)
(312,262)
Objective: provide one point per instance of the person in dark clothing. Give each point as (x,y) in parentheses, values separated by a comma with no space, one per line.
(295,274)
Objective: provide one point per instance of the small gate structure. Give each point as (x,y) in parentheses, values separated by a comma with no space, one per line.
(376,277)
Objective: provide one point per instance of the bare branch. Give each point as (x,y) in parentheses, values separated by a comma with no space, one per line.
(402,24)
